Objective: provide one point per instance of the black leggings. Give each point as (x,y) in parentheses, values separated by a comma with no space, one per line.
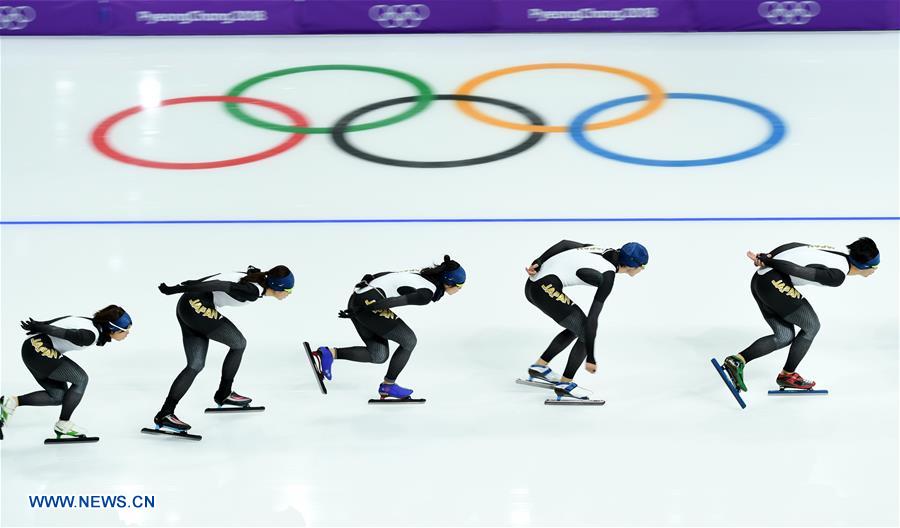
(547,295)
(376,328)
(783,307)
(54,372)
(200,322)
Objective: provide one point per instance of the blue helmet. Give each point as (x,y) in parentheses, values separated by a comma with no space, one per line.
(454,277)
(872,263)
(280,283)
(121,324)
(633,255)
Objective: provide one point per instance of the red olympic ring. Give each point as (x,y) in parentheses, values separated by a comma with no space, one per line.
(99,135)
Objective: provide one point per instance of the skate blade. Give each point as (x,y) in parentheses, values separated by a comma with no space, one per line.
(531,383)
(396,401)
(573,401)
(316,371)
(248,408)
(727,380)
(73,440)
(167,432)
(794,392)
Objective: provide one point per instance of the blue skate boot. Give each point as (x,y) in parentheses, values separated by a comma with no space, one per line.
(327,359)
(392,390)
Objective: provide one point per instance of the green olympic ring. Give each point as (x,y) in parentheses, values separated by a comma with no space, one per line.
(422,101)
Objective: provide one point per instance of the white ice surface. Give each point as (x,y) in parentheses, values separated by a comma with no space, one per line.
(671,447)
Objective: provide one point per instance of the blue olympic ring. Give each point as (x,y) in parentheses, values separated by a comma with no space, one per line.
(576,130)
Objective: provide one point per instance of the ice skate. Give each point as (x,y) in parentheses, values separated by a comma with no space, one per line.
(794,383)
(540,376)
(393,393)
(568,392)
(234,399)
(727,380)
(326,360)
(232,403)
(171,422)
(170,425)
(8,405)
(66,432)
(734,366)
(315,362)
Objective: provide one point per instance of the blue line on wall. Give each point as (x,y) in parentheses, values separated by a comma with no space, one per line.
(455,220)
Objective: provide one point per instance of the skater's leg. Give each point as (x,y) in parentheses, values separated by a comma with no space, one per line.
(70,372)
(576,323)
(375,349)
(773,305)
(406,338)
(195,348)
(51,395)
(559,343)
(547,296)
(782,336)
(808,322)
(229,335)
(576,358)
(41,367)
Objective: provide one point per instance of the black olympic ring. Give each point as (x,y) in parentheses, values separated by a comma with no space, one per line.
(339,136)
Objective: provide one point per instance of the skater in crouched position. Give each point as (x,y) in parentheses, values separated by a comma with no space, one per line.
(198,313)
(64,382)
(773,287)
(568,264)
(370,310)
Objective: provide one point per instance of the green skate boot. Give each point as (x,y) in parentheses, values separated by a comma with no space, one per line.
(734,365)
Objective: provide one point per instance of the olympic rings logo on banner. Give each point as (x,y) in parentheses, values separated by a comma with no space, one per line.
(399,15)
(651,101)
(16,18)
(789,12)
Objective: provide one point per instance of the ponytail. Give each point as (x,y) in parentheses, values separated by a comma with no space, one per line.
(435,273)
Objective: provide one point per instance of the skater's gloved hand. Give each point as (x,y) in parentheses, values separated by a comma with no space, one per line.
(532,270)
(590,367)
(345,314)
(34,327)
(169,290)
(756,259)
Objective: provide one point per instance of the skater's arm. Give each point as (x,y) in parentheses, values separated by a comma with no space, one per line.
(814,272)
(240,291)
(420,297)
(785,247)
(559,247)
(74,336)
(595,277)
(603,291)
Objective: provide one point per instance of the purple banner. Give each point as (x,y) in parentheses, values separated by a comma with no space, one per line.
(810,15)
(50,17)
(372,16)
(267,17)
(203,17)
(593,15)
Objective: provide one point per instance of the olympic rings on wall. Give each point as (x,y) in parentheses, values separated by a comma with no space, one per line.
(102,144)
(341,127)
(652,100)
(421,101)
(777,132)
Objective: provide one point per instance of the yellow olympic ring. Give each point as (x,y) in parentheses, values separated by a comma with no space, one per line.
(655,96)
